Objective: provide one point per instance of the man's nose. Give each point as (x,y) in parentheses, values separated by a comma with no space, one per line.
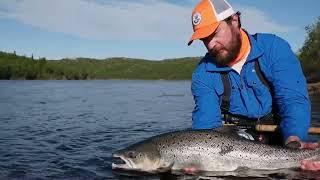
(211,45)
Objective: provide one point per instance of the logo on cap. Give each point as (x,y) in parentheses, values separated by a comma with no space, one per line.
(196,19)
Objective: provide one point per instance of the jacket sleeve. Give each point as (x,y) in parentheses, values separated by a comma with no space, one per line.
(206,113)
(290,91)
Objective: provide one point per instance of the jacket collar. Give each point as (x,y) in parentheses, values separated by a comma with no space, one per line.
(255,52)
(256,49)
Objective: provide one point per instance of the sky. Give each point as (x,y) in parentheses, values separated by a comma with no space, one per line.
(147,29)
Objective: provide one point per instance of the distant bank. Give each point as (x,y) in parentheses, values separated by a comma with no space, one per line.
(13,67)
(20,67)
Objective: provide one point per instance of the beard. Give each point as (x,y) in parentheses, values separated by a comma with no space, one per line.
(225,55)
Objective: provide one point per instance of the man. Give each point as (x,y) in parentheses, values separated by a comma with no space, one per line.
(260,74)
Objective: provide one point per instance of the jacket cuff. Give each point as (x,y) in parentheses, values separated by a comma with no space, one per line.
(302,134)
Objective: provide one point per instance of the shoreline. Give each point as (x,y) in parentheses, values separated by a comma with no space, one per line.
(313,88)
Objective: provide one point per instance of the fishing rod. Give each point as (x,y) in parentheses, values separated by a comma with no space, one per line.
(272,128)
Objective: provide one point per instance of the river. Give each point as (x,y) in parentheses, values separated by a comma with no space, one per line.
(69,129)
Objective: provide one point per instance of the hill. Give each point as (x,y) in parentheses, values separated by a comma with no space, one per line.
(13,66)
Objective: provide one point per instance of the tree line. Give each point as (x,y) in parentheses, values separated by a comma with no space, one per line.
(309,54)
(13,66)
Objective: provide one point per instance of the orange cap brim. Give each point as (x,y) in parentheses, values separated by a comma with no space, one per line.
(203,32)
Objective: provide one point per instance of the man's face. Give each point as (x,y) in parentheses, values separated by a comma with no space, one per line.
(224,44)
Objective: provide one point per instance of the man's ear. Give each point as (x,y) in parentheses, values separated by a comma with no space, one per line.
(235,20)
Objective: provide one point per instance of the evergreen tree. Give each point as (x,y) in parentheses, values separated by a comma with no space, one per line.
(311,49)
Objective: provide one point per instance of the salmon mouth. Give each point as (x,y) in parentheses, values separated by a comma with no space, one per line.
(119,162)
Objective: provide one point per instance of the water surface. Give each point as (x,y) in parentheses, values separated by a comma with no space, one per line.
(69,129)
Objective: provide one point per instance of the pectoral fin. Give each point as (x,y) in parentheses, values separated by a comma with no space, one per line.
(165,168)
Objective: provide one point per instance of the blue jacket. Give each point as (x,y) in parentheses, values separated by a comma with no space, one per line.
(249,96)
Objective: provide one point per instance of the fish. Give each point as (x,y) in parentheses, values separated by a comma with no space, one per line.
(206,151)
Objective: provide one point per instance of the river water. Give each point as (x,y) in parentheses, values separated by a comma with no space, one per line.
(69,129)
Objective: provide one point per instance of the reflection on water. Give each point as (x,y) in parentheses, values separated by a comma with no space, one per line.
(68,129)
(276,175)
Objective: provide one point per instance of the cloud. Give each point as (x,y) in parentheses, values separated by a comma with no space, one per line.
(255,20)
(119,20)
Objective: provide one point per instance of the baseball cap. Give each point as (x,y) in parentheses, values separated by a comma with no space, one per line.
(206,17)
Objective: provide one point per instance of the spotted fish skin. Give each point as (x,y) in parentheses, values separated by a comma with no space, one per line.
(208,150)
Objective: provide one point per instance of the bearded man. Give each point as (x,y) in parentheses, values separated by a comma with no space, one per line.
(248,79)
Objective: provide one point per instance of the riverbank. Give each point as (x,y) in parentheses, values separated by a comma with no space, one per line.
(14,67)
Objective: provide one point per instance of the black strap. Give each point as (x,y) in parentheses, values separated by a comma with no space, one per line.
(261,75)
(255,36)
(257,68)
(225,104)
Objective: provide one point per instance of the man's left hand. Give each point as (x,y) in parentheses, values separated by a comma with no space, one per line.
(295,142)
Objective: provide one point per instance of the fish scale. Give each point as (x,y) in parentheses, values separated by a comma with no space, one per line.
(211,150)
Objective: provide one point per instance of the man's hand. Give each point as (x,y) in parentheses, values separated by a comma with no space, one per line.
(296,143)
